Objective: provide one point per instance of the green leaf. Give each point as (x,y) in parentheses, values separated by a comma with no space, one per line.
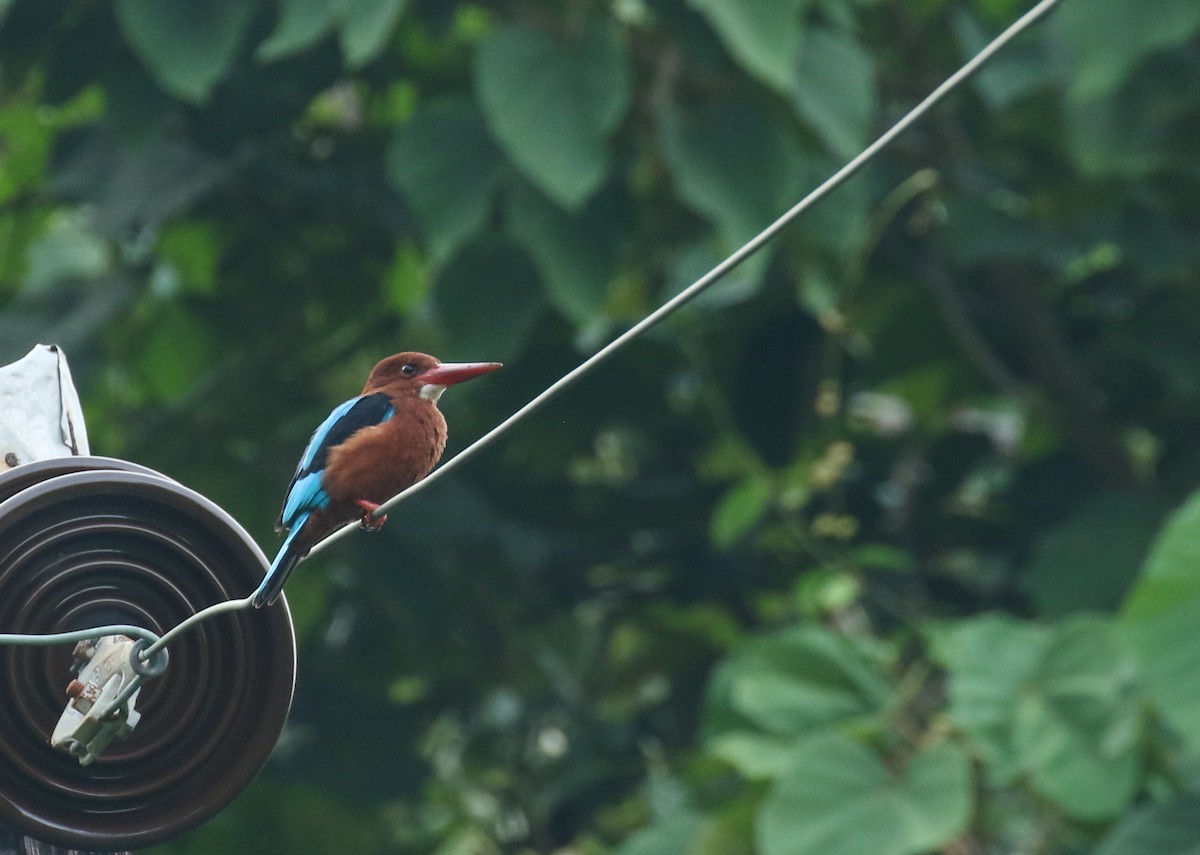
(1108,38)
(929,386)
(1119,136)
(1077,727)
(795,682)
(841,799)
(1167,829)
(447,166)
(1160,618)
(1090,560)
(841,223)
(978,230)
(882,556)
(686,831)
(739,510)
(26,148)
(736,161)
(407,279)
(762,35)
(694,261)
(488,298)
(676,833)
(839,105)
(728,830)
(756,756)
(989,658)
(67,249)
(1023,67)
(193,247)
(188,47)
(552,104)
(301,24)
(176,354)
(574,253)
(366,27)
(150,180)
(1058,704)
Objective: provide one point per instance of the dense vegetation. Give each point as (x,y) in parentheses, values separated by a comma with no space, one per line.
(883,546)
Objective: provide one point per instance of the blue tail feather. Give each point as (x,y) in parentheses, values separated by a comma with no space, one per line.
(285,562)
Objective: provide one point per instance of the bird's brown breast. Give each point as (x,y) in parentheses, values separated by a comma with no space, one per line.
(380,461)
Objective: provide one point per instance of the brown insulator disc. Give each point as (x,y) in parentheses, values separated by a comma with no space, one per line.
(91,541)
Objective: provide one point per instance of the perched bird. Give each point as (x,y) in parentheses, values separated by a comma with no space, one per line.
(367,450)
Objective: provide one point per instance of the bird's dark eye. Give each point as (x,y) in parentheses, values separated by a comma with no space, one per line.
(409,369)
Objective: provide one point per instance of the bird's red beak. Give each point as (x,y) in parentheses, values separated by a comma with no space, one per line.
(449,373)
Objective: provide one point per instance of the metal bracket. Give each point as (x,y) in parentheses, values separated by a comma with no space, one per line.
(110,671)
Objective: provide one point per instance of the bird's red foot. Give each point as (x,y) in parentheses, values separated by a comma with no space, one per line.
(368,522)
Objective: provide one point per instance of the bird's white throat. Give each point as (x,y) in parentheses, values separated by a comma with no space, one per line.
(431,392)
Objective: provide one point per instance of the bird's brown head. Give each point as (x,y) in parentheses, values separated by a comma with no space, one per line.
(422,375)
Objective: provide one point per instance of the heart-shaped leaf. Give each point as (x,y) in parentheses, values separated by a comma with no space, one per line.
(840,798)
(446,165)
(552,103)
(188,47)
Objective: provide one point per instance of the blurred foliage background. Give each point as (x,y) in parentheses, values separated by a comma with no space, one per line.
(884,545)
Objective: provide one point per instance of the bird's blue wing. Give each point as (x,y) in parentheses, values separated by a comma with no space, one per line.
(307,490)
(318,443)
(305,494)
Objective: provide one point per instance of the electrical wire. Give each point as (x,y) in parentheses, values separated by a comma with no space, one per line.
(954,81)
(24,640)
(717,273)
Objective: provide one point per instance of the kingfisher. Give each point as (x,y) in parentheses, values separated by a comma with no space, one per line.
(366,451)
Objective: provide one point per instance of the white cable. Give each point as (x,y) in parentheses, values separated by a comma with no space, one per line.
(868,154)
(700,285)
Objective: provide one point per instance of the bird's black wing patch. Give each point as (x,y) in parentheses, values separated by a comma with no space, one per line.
(367,411)
(346,420)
